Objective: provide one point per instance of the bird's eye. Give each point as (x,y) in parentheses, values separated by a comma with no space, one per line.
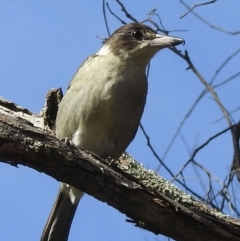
(136,34)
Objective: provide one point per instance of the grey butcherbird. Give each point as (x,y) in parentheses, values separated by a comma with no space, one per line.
(102,107)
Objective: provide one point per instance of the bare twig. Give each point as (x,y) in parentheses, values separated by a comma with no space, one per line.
(231,112)
(209,24)
(197,5)
(128,15)
(109,9)
(209,88)
(220,68)
(226,80)
(153,150)
(199,148)
(105,17)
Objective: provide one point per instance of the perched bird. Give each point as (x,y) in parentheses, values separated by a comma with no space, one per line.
(102,107)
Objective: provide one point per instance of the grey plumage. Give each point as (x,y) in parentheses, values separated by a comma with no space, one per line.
(102,107)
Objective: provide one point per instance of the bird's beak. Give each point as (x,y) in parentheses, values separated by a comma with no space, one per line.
(163,41)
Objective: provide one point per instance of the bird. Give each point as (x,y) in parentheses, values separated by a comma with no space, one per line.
(102,107)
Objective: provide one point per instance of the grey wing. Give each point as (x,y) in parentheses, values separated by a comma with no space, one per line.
(87,60)
(71,106)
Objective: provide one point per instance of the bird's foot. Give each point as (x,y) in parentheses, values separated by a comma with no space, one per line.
(110,160)
(67,141)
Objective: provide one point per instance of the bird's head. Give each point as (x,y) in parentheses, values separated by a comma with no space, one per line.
(137,42)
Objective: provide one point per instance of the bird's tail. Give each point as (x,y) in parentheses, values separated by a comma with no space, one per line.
(59,222)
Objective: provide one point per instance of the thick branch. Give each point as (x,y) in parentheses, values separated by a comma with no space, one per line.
(150,201)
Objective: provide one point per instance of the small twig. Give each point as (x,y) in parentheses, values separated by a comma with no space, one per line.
(209,24)
(207,172)
(199,148)
(109,9)
(223,64)
(199,178)
(226,81)
(153,151)
(153,13)
(158,29)
(128,15)
(231,112)
(149,19)
(183,122)
(197,5)
(209,88)
(105,18)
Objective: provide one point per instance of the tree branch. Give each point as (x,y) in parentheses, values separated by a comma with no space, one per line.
(151,202)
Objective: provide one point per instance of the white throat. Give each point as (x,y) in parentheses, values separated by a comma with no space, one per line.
(104,50)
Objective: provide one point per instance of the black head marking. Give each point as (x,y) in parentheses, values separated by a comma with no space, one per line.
(129,36)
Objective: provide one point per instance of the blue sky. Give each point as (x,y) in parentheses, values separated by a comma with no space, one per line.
(42,43)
